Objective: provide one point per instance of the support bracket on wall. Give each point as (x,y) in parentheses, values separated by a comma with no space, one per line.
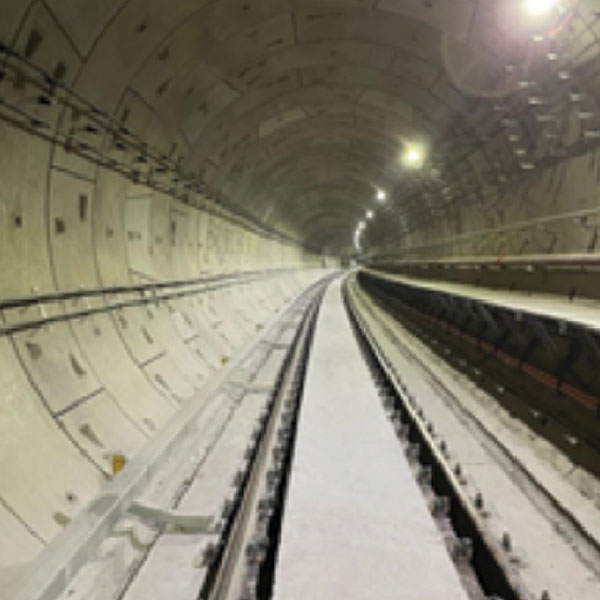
(185,523)
(275,345)
(251,387)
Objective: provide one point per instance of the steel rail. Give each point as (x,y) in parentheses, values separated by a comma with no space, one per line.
(230,570)
(487,436)
(491,567)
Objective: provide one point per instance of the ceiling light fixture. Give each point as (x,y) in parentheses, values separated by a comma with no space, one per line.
(539,7)
(381,196)
(370,214)
(413,157)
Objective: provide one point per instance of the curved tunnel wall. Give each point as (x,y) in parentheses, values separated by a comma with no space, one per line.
(551,212)
(76,391)
(297,113)
(290,114)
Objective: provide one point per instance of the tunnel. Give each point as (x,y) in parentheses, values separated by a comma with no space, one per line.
(192,192)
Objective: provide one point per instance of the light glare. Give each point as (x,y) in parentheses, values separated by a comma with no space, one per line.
(381,196)
(413,157)
(539,7)
(369,214)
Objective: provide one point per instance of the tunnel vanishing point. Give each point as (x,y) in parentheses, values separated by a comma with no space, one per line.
(299,299)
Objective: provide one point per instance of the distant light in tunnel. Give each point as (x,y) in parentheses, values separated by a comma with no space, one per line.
(381,196)
(370,214)
(539,7)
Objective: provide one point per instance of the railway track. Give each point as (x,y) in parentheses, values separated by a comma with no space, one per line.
(488,564)
(241,555)
(243,570)
(390,348)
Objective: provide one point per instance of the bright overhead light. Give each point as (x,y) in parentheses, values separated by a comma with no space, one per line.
(370,214)
(413,157)
(381,196)
(539,7)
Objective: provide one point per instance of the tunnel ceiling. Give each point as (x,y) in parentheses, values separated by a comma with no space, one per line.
(298,112)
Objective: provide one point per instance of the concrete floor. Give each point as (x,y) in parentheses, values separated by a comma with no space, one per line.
(356,524)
